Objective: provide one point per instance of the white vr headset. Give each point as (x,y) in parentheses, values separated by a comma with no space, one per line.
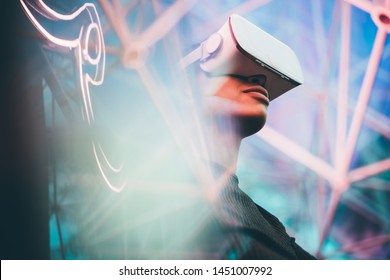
(241,48)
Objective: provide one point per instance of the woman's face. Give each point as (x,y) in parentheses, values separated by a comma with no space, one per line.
(243,98)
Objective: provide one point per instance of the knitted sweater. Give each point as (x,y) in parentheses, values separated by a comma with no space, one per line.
(240,229)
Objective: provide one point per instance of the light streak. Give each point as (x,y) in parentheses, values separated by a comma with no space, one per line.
(84,58)
(80,44)
(56,40)
(119,169)
(104,174)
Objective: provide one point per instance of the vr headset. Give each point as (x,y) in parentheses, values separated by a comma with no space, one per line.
(241,48)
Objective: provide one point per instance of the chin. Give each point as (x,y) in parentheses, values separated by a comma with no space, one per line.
(251,125)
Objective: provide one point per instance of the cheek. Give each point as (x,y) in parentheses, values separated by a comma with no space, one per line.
(229,91)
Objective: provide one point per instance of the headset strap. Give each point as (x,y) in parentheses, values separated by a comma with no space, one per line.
(190,58)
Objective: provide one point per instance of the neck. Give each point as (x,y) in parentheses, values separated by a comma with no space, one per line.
(224,142)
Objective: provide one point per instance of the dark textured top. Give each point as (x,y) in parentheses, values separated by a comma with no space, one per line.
(241,229)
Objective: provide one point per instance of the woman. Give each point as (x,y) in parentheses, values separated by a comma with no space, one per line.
(238,228)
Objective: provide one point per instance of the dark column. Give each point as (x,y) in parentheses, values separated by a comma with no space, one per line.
(23,146)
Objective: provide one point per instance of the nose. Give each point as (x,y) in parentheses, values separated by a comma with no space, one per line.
(257,79)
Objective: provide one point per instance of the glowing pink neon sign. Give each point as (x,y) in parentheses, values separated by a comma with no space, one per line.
(90,63)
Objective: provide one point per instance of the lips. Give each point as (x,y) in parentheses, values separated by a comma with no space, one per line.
(259,93)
